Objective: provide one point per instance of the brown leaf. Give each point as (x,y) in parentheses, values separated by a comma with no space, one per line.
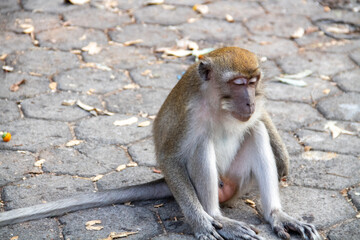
(335,130)
(90,225)
(158,205)
(14,238)
(251,203)
(16,86)
(3,57)
(133,42)
(307,148)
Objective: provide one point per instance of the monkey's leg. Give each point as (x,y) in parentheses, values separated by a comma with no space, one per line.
(153,190)
(264,169)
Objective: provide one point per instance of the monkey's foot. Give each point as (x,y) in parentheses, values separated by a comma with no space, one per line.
(283,223)
(233,229)
(206,229)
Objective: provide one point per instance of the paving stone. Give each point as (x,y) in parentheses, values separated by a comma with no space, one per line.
(219,9)
(128,177)
(183,2)
(121,4)
(9,111)
(49,106)
(355,196)
(143,153)
(355,56)
(157,14)
(9,6)
(291,143)
(101,129)
(173,236)
(152,35)
(269,47)
(278,25)
(290,116)
(99,18)
(162,75)
(343,107)
(68,38)
(313,92)
(14,166)
(135,101)
(320,63)
(53,6)
(349,81)
(117,218)
(221,31)
(293,7)
(270,70)
(42,61)
(324,170)
(35,230)
(88,161)
(315,206)
(34,135)
(11,42)
(323,141)
(242,212)
(33,86)
(348,231)
(40,21)
(338,15)
(43,188)
(91,79)
(119,57)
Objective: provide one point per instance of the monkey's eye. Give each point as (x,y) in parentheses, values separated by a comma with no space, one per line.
(240,81)
(253,80)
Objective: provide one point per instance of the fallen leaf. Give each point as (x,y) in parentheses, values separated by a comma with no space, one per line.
(146,72)
(84,106)
(126,122)
(152,117)
(335,130)
(27,28)
(97,178)
(185,43)
(357,193)
(229,18)
(131,86)
(39,162)
(178,52)
(324,77)
(92,48)
(90,91)
(73,142)
(3,57)
(311,29)
(198,53)
(14,238)
(35,74)
(114,235)
(341,29)
(307,148)
(168,7)
(132,164)
(70,102)
(298,33)
(200,8)
(358,215)
(298,83)
(192,20)
(53,85)
(326,91)
(16,86)
(344,192)
(158,205)
(156,170)
(7,68)
(327,9)
(299,75)
(250,202)
(90,225)
(121,167)
(154,2)
(133,42)
(144,124)
(78,2)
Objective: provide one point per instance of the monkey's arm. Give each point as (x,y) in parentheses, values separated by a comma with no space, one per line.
(153,190)
(278,147)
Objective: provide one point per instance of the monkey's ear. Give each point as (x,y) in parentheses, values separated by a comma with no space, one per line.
(204,69)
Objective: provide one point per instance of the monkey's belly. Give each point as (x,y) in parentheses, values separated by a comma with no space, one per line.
(227,189)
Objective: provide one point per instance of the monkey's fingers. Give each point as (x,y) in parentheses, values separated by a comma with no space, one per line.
(216,224)
(307,231)
(254,228)
(281,232)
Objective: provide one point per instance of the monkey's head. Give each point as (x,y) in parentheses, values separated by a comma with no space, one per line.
(235,73)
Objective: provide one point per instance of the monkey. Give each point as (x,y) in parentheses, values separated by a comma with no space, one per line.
(213,139)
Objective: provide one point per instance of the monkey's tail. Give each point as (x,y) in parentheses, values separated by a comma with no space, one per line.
(153,190)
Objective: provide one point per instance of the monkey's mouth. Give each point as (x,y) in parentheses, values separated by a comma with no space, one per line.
(241,117)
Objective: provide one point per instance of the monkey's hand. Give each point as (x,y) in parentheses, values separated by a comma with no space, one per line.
(282,223)
(233,229)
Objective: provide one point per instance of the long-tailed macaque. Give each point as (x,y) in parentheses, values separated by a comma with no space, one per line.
(212,138)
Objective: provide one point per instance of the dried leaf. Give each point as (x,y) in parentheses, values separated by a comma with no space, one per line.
(73,142)
(121,167)
(53,85)
(133,42)
(27,28)
(35,74)
(250,202)
(298,33)
(298,83)
(299,75)
(132,164)
(78,2)
(307,148)
(198,53)
(358,215)
(7,68)
(327,9)
(311,29)
(92,48)
(178,52)
(335,130)
(158,205)
(185,43)
(14,238)
(3,57)
(324,77)
(200,8)
(90,225)
(16,86)
(69,102)
(192,20)
(340,29)
(84,106)
(229,18)
(144,124)
(126,122)
(39,162)
(326,91)
(152,117)
(146,72)
(97,178)
(156,170)
(114,235)
(154,2)
(131,86)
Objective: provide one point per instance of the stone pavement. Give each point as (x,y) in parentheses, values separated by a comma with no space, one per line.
(91,53)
